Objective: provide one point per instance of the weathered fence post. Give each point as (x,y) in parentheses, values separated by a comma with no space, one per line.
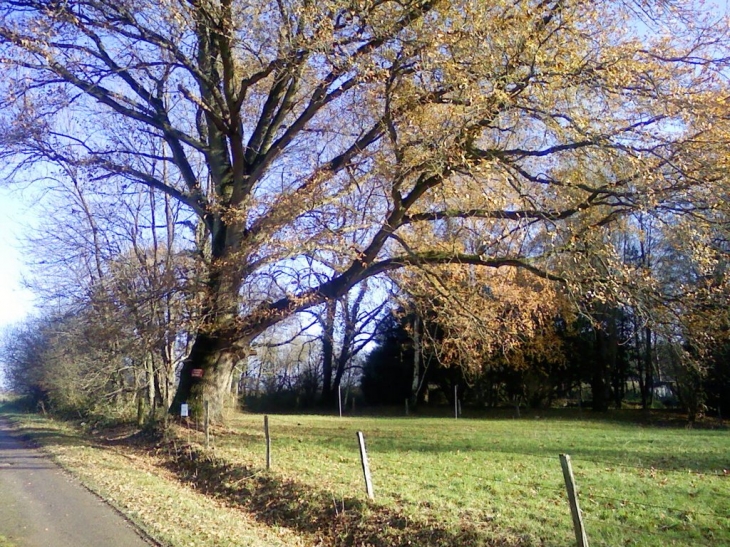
(406,407)
(268,442)
(339,399)
(580,532)
(365,465)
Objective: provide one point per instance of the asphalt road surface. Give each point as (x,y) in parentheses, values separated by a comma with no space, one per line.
(42,506)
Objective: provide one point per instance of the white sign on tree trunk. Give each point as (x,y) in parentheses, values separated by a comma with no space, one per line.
(184,410)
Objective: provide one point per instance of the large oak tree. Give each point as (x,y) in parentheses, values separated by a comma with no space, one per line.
(501,133)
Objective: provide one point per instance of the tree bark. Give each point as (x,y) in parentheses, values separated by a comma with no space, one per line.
(207,371)
(648,384)
(416,382)
(206,376)
(328,352)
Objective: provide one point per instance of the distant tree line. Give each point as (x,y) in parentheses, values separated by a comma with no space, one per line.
(589,367)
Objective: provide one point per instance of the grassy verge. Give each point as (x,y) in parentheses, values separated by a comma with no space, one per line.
(130,473)
(438,481)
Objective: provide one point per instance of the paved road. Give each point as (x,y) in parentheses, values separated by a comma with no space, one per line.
(42,506)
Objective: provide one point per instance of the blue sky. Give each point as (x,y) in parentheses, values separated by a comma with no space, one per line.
(16,216)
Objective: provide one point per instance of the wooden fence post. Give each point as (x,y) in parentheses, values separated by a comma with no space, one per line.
(268,442)
(365,465)
(339,399)
(580,532)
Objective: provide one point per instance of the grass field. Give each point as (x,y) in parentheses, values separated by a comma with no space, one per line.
(501,478)
(437,481)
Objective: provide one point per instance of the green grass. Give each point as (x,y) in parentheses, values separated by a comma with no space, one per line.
(438,481)
(501,480)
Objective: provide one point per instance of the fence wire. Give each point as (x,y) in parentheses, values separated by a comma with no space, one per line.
(448,472)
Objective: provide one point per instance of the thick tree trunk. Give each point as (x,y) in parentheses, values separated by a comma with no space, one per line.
(207,371)
(206,376)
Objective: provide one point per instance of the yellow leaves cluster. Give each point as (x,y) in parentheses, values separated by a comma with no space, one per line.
(480,314)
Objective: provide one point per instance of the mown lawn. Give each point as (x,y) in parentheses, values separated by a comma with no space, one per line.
(438,481)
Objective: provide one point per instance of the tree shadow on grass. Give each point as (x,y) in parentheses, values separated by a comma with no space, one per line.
(333,522)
